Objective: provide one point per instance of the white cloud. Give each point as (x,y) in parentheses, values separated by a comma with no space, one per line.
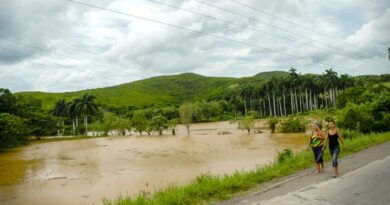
(94,48)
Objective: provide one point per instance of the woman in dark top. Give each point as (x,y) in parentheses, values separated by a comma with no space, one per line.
(333,136)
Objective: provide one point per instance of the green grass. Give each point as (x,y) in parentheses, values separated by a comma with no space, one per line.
(208,188)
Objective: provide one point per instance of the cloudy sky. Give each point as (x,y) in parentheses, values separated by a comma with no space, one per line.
(57,45)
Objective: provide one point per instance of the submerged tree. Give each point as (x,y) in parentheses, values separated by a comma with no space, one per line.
(186,112)
(246,123)
(139,121)
(272,122)
(172,125)
(159,123)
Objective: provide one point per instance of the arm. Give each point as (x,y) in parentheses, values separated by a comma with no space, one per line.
(340,137)
(326,138)
(321,135)
(308,145)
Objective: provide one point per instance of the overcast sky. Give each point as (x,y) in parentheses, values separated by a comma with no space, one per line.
(56,45)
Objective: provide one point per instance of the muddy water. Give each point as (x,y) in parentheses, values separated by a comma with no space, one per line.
(85,171)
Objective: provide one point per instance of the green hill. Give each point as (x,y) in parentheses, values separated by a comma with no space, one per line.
(170,89)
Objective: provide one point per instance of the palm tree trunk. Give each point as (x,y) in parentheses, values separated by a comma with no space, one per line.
(284,102)
(86,124)
(311,101)
(74,127)
(296,101)
(260,110)
(273,99)
(300,100)
(291,101)
(245,108)
(280,106)
(77,121)
(307,100)
(326,102)
(251,102)
(269,104)
(335,96)
(63,127)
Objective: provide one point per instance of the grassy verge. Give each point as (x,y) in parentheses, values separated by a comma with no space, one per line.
(207,188)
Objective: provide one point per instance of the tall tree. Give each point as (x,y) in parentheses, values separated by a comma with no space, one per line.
(72,113)
(86,106)
(60,112)
(7,101)
(293,78)
(331,81)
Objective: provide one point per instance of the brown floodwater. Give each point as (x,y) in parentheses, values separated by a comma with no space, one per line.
(85,171)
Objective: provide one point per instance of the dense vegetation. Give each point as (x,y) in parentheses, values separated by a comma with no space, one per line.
(21,117)
(158,104)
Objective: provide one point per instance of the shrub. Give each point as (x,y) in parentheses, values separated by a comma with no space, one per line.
(13,131)
(349,134)
(284,155)
(356,117)
(245,123)
(253,114)
(272,122)
(293,124)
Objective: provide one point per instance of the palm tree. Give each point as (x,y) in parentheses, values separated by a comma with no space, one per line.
(269,87)
(331,81)
(293,78)
(60,111)
(283,83)
(273,83)
(262,98)
(345,81)
(245,91)
(233,95)
(71,111)
(86,106)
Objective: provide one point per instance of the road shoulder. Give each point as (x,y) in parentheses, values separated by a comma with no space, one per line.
(307,177)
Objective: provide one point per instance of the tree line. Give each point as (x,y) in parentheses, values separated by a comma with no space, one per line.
(296,93)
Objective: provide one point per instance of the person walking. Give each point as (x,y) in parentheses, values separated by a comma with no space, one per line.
(332,137)
(316,143)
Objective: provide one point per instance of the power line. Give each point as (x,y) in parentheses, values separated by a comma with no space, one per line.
(48,51)
(297,24)
(270,25)
(192,30)
(248,27)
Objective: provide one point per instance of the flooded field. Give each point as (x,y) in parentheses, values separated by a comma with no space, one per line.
(85,171)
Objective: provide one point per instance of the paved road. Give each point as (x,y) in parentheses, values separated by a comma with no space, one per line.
(365,179)
(366,185)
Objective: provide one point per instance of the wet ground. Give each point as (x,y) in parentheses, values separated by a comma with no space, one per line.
(85,171)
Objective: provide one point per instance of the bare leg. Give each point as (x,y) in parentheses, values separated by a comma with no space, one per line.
(336,170)
(322,167)
(318,168)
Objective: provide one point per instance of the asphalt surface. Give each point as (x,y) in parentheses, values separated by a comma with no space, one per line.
(364,179)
